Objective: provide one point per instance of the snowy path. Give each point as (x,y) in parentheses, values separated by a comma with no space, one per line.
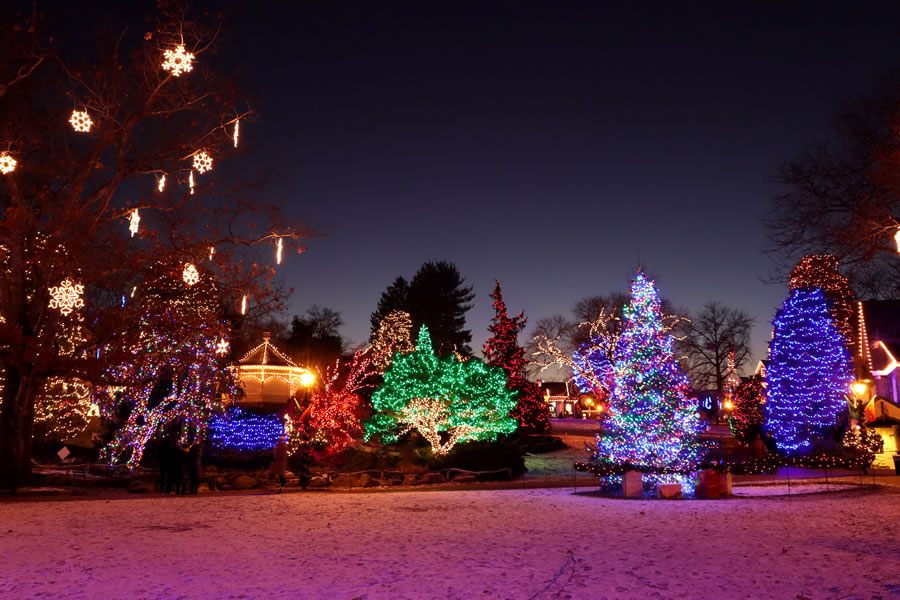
(517,544)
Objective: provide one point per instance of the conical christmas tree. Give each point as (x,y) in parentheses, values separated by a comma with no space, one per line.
(652,424)
(808,374)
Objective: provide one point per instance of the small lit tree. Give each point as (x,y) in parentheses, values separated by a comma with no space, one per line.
(746,419)
(448,401)
(393,335)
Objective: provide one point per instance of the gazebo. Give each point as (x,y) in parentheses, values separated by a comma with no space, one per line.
(268,377)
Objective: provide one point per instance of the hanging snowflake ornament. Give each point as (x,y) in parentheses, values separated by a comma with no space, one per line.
(7,163)
(66,297)
(178,61)
(222,347)
(190,274)
(202,162)
(134,222)
(81,121)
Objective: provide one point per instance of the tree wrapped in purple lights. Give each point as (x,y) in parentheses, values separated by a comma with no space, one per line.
(652,423)
(166,371)
(808,374)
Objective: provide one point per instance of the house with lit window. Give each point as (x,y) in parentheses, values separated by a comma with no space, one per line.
(268,377)
(878,378)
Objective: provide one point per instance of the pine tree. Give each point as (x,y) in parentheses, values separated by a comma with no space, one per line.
(446,400)
(747,418)
(502,350)
(821,271)
(808,374)
(439,300)
(652,423)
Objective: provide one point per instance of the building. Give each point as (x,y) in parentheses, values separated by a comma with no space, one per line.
(268,377)
(877,351)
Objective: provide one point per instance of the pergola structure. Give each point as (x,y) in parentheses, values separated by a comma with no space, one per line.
(267,376)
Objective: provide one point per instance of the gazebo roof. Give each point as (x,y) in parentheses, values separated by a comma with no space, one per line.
(266,354)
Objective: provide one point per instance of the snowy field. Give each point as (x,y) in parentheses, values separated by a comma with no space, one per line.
(517,544)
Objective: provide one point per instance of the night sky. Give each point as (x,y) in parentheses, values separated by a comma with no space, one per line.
(553,146)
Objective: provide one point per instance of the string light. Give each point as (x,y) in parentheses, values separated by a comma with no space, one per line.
(244,305)
(7,163)
(391,337)
(202,162)
(191,181)
(133,290)
(237,126)
(212,252)
(222,347)
(808,374)
(178,61)
(445,400)
(243,430)
(80,121)
(190,274)
(66,297)
(278,249)
(161,183)
(822,271)
(134,222)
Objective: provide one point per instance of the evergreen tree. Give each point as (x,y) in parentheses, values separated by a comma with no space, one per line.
(394,298)
(503,350)
(747,418)
(439,300)
(808,374)
(652,423)
(392,336)
(821,271)
(446,400)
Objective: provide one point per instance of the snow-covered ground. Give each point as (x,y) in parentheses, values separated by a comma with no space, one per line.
(517,544)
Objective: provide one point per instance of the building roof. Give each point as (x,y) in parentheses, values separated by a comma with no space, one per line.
(882,320)
(266,354)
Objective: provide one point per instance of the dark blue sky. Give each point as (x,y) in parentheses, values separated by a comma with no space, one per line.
(551,145)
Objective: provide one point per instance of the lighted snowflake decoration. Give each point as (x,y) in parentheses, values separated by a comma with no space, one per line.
(7,163)
(134,222)
(202,162)
(66,297)
(178,61)
(190,274)
(80,121)
(222,347)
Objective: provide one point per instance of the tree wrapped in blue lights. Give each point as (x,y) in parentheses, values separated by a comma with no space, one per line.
(808,374)
(652,424)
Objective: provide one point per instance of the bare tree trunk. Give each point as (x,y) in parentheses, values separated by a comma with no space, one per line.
(16,428)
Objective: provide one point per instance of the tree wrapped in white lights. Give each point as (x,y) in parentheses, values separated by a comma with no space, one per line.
(154,102)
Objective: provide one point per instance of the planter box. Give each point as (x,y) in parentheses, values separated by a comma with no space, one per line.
(632,484)
(668,491)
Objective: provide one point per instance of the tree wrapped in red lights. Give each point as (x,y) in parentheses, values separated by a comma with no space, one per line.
(167,374)
(821,271)
(329,424)
(502,350)
(94,204)
(746,420)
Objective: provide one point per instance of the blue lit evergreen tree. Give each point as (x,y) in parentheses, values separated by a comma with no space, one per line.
(808,374)
(652,424)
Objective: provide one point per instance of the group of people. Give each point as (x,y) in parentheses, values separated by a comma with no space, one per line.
(178,458)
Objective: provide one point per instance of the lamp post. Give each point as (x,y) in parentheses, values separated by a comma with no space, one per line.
(307,379)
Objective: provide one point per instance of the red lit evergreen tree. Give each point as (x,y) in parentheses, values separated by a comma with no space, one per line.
(747,419)
(503,350)
(821,271)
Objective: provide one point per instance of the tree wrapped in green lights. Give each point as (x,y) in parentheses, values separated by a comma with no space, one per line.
(446,400)
(808,373)
(652,424)
(502,350)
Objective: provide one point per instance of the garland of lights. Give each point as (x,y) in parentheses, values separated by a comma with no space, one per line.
(502,350)
(652,421)
(446,400)
(767,464)
(808,374)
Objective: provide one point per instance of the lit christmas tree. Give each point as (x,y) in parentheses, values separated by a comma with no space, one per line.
(446,400)
(747,418)
(808,374)
(502,350)
(821,271)
(652,424)
(168,372)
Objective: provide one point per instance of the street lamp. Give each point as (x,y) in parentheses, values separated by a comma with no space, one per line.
(859,388)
